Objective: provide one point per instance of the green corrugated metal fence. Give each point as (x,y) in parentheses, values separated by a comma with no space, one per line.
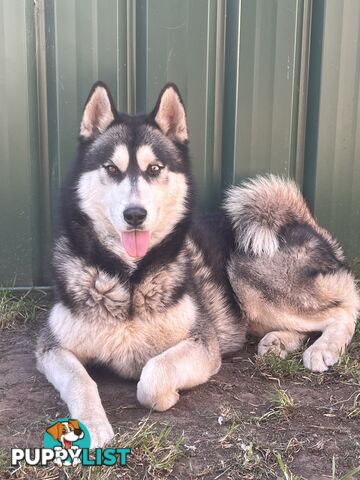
(269,85)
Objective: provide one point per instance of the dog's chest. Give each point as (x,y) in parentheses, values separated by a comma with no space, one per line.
(124,345)
(121,326)
(103,296)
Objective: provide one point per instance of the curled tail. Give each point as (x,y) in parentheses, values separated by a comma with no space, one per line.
(261,207)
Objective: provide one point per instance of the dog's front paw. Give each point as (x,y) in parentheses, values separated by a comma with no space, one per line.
(319,357)
(271,343)
(156,388)
(100,430)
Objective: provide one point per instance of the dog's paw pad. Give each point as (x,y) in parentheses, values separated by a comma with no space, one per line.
(318,358)
(271,343)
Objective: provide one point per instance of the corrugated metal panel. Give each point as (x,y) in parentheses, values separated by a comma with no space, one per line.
(262,85)
(332,168)
(241,67)
(19,231)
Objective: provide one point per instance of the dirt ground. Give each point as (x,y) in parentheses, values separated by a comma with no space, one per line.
(250,421)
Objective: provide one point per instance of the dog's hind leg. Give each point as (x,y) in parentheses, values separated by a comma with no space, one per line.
(281,343)
(189,363)
(63,369)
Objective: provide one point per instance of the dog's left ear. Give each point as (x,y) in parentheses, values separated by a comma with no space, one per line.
(169,114)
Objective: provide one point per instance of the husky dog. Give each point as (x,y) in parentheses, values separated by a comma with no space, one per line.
(159,295)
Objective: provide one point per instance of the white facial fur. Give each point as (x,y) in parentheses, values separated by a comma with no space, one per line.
(104,200)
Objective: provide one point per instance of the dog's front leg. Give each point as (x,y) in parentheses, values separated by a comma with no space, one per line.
(187,364)
(327,349)
(63,369)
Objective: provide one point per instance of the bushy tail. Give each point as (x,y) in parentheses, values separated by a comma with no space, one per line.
(261,207)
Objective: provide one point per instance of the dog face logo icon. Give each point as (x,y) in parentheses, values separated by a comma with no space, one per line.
(66,432)
(68,437)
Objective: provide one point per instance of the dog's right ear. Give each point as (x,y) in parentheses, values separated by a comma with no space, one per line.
(54,431)
(169,114)
(99,112)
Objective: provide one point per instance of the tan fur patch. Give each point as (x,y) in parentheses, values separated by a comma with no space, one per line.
(124,345)
(120,157)
(145,156)
(103,294)
(154,292)
(261,206)
(266,317)
(230,330)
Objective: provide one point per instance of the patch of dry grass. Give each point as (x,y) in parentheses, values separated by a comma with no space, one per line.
(271,365)
(282,404)
(19,309)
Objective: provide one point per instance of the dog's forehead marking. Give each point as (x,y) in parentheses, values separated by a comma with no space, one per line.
(120,157)
(145,156)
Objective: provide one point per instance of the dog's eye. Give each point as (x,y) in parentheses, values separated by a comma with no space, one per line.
(111,169)
(154,170)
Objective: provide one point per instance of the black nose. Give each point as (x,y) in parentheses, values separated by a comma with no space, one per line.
(135,216)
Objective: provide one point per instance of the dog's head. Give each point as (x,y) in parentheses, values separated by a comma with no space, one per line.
(66,432)
(133,173)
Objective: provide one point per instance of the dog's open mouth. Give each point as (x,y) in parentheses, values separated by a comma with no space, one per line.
(67,444)
(136,242)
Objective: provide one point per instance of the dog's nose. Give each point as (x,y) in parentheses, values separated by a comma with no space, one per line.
(135,216)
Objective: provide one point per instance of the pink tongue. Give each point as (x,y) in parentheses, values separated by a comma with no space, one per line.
(136,242)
